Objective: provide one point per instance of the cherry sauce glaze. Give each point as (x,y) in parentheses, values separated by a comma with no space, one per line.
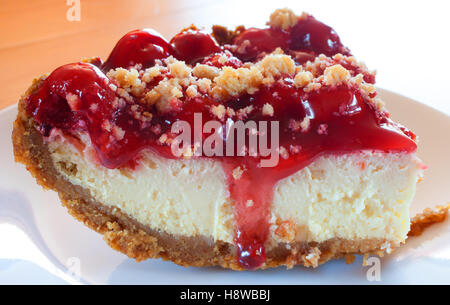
(341,120)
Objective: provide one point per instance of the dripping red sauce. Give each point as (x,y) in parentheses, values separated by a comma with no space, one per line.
(78,98)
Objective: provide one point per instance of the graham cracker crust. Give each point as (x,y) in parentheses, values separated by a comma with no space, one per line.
(124,234)
(427,218)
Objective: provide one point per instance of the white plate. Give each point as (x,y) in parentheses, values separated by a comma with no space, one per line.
(41,243)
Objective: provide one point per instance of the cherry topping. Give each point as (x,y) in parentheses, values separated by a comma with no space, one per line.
(253,42)
(138,47)
(251,255)
(194,45)
(65,93)
(312,35)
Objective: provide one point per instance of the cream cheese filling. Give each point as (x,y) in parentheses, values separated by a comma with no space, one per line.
(353,196)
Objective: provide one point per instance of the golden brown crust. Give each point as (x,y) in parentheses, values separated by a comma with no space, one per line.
(124,234)
(427,218)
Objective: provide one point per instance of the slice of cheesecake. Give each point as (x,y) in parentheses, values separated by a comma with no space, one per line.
(291,156)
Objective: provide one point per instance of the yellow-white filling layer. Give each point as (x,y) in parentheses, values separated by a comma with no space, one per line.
(353,196)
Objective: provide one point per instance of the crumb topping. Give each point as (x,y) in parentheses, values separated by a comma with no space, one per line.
(249,203)
(284,153)
(219,111)
(128,80)
(336,75)
(268,110)
(206,71)
(304,125)
(237,172)
(275,64)
(233,82)
(303,78)
(283,18)
(169,83)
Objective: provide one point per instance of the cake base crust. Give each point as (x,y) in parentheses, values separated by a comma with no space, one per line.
(427,218)
(126,235)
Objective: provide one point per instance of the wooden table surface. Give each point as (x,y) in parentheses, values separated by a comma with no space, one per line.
(405,41)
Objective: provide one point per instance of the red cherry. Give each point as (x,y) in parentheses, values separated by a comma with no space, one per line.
(252,42)
(251,252)
(312,35)
(194,45)
(84,82)
(327,104)
(138,47)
